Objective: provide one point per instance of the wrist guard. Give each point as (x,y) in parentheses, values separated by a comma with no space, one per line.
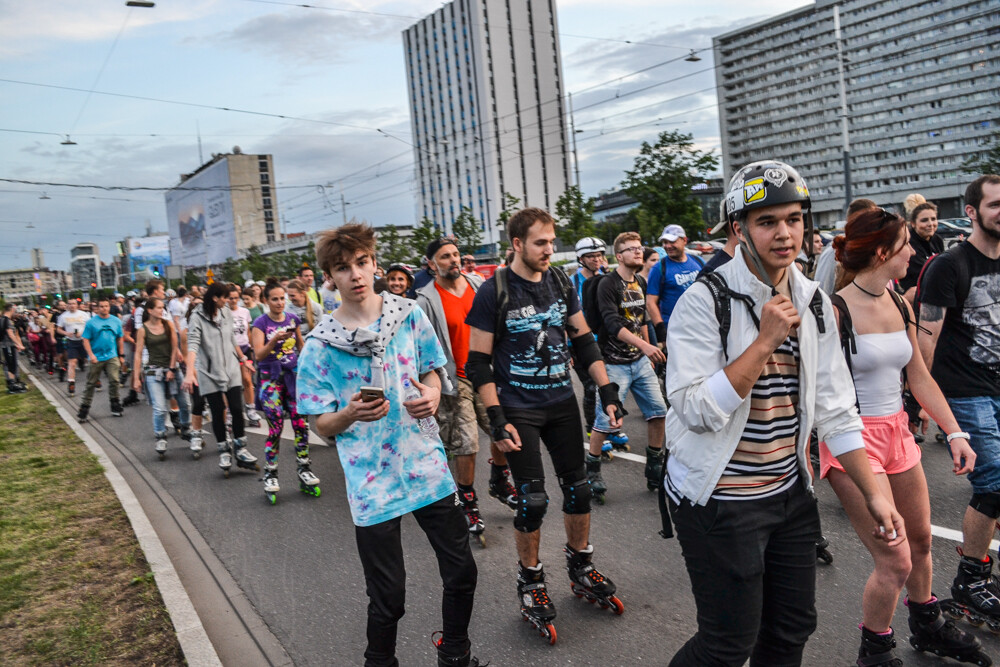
(609,397)
(587,352)
(661,331)
(498,422)
(479,369)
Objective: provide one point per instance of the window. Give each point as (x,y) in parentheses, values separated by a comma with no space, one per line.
(268,215)
(265,191)
(265,179)
(262,164)
(267,202)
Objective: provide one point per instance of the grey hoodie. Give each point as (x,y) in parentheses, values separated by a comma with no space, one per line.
(214,346)
(430,302)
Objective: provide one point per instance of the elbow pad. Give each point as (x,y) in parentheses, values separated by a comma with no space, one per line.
(586,349)
(479,369)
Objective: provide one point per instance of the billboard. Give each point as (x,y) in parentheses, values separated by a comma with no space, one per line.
(149,252)
(200,217)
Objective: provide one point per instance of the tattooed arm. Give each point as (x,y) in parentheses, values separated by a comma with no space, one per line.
(932,318)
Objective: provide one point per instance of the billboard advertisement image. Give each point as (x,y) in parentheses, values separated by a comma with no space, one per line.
(200,217)
(150,254)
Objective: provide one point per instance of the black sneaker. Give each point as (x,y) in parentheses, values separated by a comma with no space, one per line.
(116,409)
(82,414)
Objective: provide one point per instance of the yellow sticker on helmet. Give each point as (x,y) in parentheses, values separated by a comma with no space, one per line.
(753,190)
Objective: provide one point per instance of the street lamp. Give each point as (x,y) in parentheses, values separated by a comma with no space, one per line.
(67,141)
(140,3)
(692,57)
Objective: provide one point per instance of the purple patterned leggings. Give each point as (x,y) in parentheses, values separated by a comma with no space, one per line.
(276,402)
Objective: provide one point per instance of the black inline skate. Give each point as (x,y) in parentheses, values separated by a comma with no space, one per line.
(81,415)
(116,409)
(823,550)
(175,421)
(308,482)
(131,399)
(933,633)
(597,486)
(654,468)
(975,594)
(586,581)
(536,606)
(877,650)
(467,660)
(502,486)
(470,506)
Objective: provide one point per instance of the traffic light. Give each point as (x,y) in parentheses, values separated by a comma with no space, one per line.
(94,285)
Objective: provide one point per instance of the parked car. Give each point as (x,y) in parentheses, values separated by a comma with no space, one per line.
(954,230)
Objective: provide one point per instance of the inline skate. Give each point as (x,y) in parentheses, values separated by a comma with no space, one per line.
(161,445)
(131,399)
(467,660)
(607,451)
(253,419)
(116,409)
(597,486)
(270,480)
(196,443)
(470,505)
(81,414)
(586,581)
(175,421)
(877,649)
(502,486)
(244,459)
(975,594)
(823,550)
(71,390)
(536,606)
(308,482)
(933,633)
(654,468)
(619,442)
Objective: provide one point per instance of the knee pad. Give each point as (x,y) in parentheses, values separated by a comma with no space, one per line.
(576,492)
(532,501)
(986,503)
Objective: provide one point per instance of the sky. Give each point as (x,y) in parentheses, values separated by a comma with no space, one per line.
(322,89)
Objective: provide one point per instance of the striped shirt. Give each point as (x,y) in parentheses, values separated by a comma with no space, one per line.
(765,460)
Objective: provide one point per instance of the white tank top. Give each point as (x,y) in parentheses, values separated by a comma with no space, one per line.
(877,368)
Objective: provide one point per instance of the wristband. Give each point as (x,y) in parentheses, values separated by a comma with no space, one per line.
(609,396)
(497,423)
(661,332)
(957,434)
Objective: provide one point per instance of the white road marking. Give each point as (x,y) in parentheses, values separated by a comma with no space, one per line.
(937,531)
(286,432)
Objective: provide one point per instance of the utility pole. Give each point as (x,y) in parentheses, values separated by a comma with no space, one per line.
(572,129)
(343,204)
(843,108)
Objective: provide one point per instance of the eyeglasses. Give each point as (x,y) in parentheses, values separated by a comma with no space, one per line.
(888,216)
(637,248)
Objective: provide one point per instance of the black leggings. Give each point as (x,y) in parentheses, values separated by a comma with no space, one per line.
(558,426)
(217,406)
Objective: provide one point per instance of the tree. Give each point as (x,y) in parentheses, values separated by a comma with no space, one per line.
(392,248)
(508,205)
(468,230)
(421,238)
(662,177)
(574,216)
(986,161)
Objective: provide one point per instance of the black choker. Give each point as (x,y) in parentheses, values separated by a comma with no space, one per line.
(855,283)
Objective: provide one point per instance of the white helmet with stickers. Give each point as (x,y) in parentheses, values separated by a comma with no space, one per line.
(590,244)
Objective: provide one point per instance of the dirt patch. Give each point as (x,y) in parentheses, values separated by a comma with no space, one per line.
(75,588)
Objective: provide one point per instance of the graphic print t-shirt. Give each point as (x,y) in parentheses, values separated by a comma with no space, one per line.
(679,276)
(242,322)
(531,361)
(73,323)
(967,357)
(622,305)
(283,356)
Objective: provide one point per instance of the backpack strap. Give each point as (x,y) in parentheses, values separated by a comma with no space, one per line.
(500,326)
(847,340)
(723,296)
(816,306)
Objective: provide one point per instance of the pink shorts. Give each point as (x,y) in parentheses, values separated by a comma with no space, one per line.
(890,446)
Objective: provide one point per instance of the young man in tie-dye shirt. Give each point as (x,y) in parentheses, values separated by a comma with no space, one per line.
(391,466)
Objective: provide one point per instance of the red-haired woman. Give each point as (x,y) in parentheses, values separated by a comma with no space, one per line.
(873,251)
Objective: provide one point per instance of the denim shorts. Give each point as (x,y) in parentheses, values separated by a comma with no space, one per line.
(640,377)
(979,416)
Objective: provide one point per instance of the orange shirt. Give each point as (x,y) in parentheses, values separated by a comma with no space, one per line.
(455,309)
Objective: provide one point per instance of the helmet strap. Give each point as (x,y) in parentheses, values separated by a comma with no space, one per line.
(751,251)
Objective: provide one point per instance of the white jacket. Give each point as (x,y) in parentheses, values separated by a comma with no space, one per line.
(707,417)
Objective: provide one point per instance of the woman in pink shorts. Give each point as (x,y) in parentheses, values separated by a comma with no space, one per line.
(873,252)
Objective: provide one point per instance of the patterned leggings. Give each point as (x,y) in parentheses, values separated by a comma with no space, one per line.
(276,402)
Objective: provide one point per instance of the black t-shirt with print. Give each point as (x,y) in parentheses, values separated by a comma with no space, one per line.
(531,361)
(967,357)
(622,305)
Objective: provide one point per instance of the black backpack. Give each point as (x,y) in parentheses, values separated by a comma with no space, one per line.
(591,309)
(503,296)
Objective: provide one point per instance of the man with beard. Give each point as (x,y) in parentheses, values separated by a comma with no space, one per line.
(668,279)
(960,305)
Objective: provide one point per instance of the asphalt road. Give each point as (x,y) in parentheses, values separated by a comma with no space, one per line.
(297,563)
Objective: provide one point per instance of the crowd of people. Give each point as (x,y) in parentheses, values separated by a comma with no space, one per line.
(744,368)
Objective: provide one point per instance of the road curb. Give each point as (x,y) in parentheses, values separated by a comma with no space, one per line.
(197,647)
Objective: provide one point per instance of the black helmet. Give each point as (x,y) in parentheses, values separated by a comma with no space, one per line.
(765,183)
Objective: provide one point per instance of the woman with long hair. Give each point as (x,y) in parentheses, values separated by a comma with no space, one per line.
(299,304)
(922,216)
(213,365)
(161,375)
(276,341)
(874,251)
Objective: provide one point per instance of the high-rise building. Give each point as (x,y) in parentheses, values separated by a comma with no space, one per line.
(486,105)
(223,208)
(922,84)
(85,265)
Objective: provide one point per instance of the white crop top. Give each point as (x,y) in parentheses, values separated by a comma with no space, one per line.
(877,368)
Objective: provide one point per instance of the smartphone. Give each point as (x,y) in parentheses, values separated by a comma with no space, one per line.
(369,394)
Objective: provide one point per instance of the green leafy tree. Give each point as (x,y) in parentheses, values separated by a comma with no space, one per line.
(575,216)
(662,176)
(422,235)
(468,230)
(986,161)
(256,263)
(508,206)
(392,248)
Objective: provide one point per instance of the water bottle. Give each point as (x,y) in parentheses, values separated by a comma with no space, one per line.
(428,425)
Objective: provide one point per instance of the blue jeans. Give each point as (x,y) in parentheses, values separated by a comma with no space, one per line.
(160,393)
(979,416)
(640,377)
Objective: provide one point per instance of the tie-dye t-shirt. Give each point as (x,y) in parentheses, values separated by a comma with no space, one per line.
(391,469)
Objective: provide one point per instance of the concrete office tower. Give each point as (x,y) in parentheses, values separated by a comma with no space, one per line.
(85,265)
(486,102)
(922,84)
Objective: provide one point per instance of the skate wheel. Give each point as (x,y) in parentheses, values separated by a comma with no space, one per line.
(549,632)
(272,498)
(824,555)
(162,455)
(591,600)
(600,499)
(196,455)
(225,473)
(482,540)
(976,621)
(617,605)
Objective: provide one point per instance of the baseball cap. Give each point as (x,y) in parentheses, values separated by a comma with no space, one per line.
(672,233)
(249,283)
